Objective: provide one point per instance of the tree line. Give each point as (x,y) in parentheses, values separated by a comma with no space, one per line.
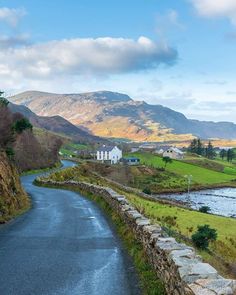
(10,125)
(209,151)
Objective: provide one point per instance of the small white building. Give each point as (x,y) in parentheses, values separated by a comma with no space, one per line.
(111,154)
(174,153)
(134,149)
(148,147)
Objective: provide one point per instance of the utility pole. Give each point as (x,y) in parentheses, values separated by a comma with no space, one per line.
(189,181)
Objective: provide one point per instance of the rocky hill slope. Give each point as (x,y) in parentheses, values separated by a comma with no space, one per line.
(13,198)
(55,124)
(110,114)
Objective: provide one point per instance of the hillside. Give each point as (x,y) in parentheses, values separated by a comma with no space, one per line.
(55,124)
(13,199)
(110,114)
(25,149)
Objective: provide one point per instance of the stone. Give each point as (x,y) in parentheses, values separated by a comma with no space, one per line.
(198,290)
(192,272)
(187,252)
(142,221)
(152,229)
(135,214)
(126,207)
(169,244)
(154,237)
(219,286)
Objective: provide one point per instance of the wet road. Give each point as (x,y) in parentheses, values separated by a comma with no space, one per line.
(63,246)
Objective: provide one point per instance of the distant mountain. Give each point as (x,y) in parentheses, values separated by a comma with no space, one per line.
(55,124)
(110,114)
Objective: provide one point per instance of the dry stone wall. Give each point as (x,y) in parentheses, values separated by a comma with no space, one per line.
(178,265)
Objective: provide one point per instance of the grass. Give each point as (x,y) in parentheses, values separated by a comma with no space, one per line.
(216,164)
(16,212)
(71,149)
(78,146)
(30,172)
(200,175)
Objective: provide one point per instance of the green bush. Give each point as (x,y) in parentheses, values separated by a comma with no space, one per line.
(21,125)
(3,101)
(205,209)
(203,236)
(10,152)
(147,191)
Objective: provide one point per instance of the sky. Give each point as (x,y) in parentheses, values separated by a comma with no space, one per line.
(181,54)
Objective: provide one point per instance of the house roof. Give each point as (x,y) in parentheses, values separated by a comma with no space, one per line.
(131,159)
(176,150)
(106,148)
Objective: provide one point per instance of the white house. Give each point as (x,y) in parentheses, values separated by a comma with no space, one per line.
(111,154)
(174,153)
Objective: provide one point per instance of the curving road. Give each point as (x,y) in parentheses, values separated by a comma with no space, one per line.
(63,246)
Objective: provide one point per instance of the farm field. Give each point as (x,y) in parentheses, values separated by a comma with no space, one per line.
(200,175)
(71,149)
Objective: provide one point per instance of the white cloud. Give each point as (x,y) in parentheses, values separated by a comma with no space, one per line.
(13,41)
(167,23)
(214,8)
(11,16)
(85,57)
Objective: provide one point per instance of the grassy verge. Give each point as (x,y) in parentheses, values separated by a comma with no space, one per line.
(201,176)
(149,282)
(15,213)
(30,172)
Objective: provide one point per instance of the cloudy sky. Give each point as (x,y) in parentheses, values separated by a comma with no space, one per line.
(181,54)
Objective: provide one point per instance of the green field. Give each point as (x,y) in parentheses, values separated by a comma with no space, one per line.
(200,175)
(71,149)
(216,164)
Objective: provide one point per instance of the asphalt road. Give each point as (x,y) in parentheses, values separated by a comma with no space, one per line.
(63,246)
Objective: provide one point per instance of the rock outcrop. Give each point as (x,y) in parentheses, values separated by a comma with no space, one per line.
(13,198)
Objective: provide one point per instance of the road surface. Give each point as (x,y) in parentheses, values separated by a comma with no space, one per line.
(63,246)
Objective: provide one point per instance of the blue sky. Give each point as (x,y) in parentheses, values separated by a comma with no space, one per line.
(177,53)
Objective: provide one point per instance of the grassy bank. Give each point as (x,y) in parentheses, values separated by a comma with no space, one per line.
(149,283)
(30,172)
(202,176)
(182,221)
(15,213)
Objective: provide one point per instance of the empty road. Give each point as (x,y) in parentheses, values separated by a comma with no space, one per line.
(64,245)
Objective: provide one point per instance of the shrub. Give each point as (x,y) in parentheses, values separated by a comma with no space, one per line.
(3,100)
(205,209)
(21,125)
(10,152)
(167,160)
(203,236)
(147,191)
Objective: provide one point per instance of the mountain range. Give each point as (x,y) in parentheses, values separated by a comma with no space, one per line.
(115,115)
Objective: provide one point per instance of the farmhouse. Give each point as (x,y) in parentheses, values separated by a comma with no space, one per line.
(174,153)
(109,154)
